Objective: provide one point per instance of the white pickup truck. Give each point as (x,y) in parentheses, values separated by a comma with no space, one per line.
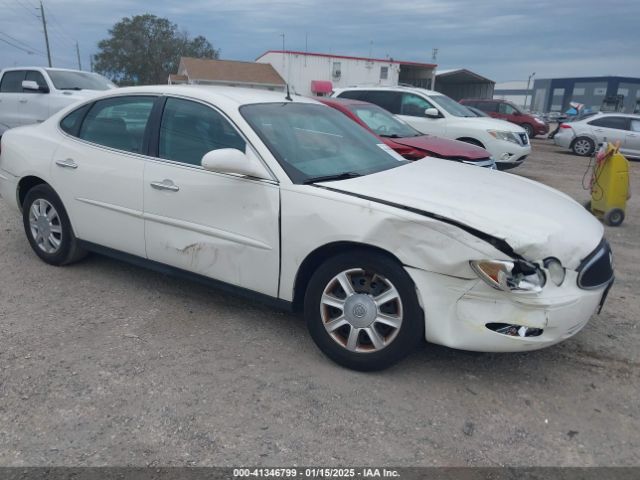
(32,94)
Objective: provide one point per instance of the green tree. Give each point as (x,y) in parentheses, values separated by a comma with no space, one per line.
(145,49)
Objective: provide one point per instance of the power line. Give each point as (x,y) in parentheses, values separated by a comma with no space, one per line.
(26,45)
(30,9)
(16,46)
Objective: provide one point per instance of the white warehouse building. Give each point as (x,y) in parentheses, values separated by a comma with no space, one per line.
(319,73)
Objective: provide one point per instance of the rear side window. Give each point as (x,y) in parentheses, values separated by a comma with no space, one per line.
(190,129)
(352,94)
(619,123)
(36,77)
(118,122)
(71,123)
(487,106)
(12,81)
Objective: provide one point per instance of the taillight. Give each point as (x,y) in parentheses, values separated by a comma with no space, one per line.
(564,125)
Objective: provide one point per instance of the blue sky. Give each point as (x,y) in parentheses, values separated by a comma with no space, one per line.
(504,40)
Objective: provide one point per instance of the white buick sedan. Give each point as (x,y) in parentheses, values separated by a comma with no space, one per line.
(290,201)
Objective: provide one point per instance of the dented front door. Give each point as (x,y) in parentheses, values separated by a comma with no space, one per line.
(222,226)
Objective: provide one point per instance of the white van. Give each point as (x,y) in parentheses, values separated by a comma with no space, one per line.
(436,114)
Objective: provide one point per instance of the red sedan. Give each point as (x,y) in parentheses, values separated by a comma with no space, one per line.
(406,140)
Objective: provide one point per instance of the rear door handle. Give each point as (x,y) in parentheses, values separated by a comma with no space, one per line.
(165,184)
(68,163)
(24,100)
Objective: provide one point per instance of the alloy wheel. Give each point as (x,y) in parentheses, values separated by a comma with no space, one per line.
(582,147)
(361,310)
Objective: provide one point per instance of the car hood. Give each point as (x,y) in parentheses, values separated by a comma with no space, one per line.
(81,94)
(535,220)
(444,148)
(488,123)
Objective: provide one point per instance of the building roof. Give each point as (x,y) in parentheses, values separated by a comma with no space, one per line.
(229,71)
(347,57)
(177,78)
(461,75)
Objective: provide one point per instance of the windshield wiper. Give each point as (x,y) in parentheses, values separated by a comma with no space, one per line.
(393,135)
(328,178)
(71,88)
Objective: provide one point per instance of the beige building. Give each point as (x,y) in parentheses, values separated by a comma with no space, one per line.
(197,71)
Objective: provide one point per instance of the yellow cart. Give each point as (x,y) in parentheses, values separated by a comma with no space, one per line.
(610,185)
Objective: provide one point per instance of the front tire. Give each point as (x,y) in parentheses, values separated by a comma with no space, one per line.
(48,228)
(362,311)
(529,129)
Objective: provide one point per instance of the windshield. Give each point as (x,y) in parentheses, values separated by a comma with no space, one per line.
(382,122)
(68,80)
(313,141)
(451,106)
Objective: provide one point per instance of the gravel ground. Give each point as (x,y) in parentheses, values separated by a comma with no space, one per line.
(103,363)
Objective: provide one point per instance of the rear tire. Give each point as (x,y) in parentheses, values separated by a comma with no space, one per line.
(48,228)
(362,311)
(583,146)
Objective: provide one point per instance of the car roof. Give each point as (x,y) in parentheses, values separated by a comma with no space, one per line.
(399,88)
(213,93)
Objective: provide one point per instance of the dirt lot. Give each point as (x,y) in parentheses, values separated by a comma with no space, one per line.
(103,363)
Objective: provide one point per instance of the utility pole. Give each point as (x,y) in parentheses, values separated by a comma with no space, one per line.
(526,93)
(78,53)
(46,35)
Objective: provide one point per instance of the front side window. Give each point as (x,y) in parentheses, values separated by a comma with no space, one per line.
(312,141)
(450,106)
(506,109)
(12,81)
(635,125)
(37,77)
(382,122)
(190,129)
(618,123)
(118,122)
(388,100)
(414,106)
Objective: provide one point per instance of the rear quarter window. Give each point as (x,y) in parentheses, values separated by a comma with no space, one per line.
(71,123)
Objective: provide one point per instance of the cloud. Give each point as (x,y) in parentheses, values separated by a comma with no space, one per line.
(501,39)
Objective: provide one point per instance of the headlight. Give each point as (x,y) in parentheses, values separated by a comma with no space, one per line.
(517,276)
(506,136)
(556,270)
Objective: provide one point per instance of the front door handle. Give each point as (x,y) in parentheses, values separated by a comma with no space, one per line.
(68,163)
(24,100)
(165,184)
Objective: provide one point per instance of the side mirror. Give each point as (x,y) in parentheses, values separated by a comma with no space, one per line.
(431,113)
(231,160)
(33,86)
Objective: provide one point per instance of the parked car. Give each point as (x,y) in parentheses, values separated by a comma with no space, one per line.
(406,140)
(436,114)
(505,110)
(293,203)
(583,136)
(31,94)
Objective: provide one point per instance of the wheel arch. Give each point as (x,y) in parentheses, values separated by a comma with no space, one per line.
(314,259)
(588,137)
(473,141)
(24,185)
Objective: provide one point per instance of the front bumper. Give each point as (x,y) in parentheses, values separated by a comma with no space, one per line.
(457,312)
(509,154)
